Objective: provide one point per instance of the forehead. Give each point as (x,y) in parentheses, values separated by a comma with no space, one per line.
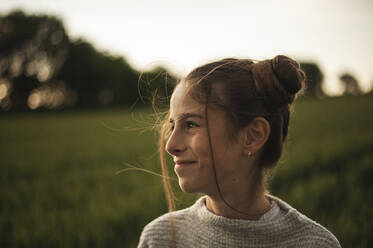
(181,102)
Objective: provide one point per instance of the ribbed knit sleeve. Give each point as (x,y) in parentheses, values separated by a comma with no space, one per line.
(157,232)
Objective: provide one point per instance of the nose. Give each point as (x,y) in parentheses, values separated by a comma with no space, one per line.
(176,143)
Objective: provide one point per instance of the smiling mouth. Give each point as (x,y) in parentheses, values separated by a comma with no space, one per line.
(180,164)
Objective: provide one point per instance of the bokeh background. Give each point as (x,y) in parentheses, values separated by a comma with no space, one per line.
(77,80)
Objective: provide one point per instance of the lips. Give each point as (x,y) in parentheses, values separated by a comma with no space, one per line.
(184,163)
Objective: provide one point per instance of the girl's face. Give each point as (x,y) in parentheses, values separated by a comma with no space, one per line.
(189,146)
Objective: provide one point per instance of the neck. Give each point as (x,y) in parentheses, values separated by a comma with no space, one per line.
(238,206)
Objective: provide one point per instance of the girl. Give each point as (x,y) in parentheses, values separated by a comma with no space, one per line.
(226,128)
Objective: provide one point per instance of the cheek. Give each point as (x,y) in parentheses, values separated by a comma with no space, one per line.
(225,152)
(201,149)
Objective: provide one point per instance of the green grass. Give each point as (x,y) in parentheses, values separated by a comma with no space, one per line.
(59,187)
(327,167)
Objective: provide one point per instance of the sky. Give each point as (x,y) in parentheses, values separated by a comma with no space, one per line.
(183,34)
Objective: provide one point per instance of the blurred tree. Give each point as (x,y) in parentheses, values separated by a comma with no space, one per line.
(314,79)
(350,84)
(32,49)
(41,67)
(156,86)
(98,78)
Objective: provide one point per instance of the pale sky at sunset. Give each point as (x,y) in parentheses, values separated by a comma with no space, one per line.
(181,34)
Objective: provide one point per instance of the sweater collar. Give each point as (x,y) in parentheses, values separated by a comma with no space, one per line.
(286,221)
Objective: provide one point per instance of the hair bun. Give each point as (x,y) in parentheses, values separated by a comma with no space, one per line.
(288,73)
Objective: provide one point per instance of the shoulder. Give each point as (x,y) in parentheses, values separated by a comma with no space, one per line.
(309,232)
(164,222)
(159,232)
(318,235)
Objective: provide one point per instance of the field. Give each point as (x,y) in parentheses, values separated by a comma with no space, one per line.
(59,184)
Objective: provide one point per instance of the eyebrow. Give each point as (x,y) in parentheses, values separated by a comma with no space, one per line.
(188,115)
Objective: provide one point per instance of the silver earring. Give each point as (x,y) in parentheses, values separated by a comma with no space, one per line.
(248,154)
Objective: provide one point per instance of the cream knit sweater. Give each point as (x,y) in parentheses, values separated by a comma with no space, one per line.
(196,226)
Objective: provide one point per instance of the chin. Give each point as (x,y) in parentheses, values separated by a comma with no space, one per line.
(188,187)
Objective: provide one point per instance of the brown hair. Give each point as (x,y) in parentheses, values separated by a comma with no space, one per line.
(248,89)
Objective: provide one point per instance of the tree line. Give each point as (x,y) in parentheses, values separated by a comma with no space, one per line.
(41,67)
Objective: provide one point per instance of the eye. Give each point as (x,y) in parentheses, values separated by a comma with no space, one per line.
(191,124)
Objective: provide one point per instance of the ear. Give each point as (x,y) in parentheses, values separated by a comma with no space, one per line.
(257,133)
